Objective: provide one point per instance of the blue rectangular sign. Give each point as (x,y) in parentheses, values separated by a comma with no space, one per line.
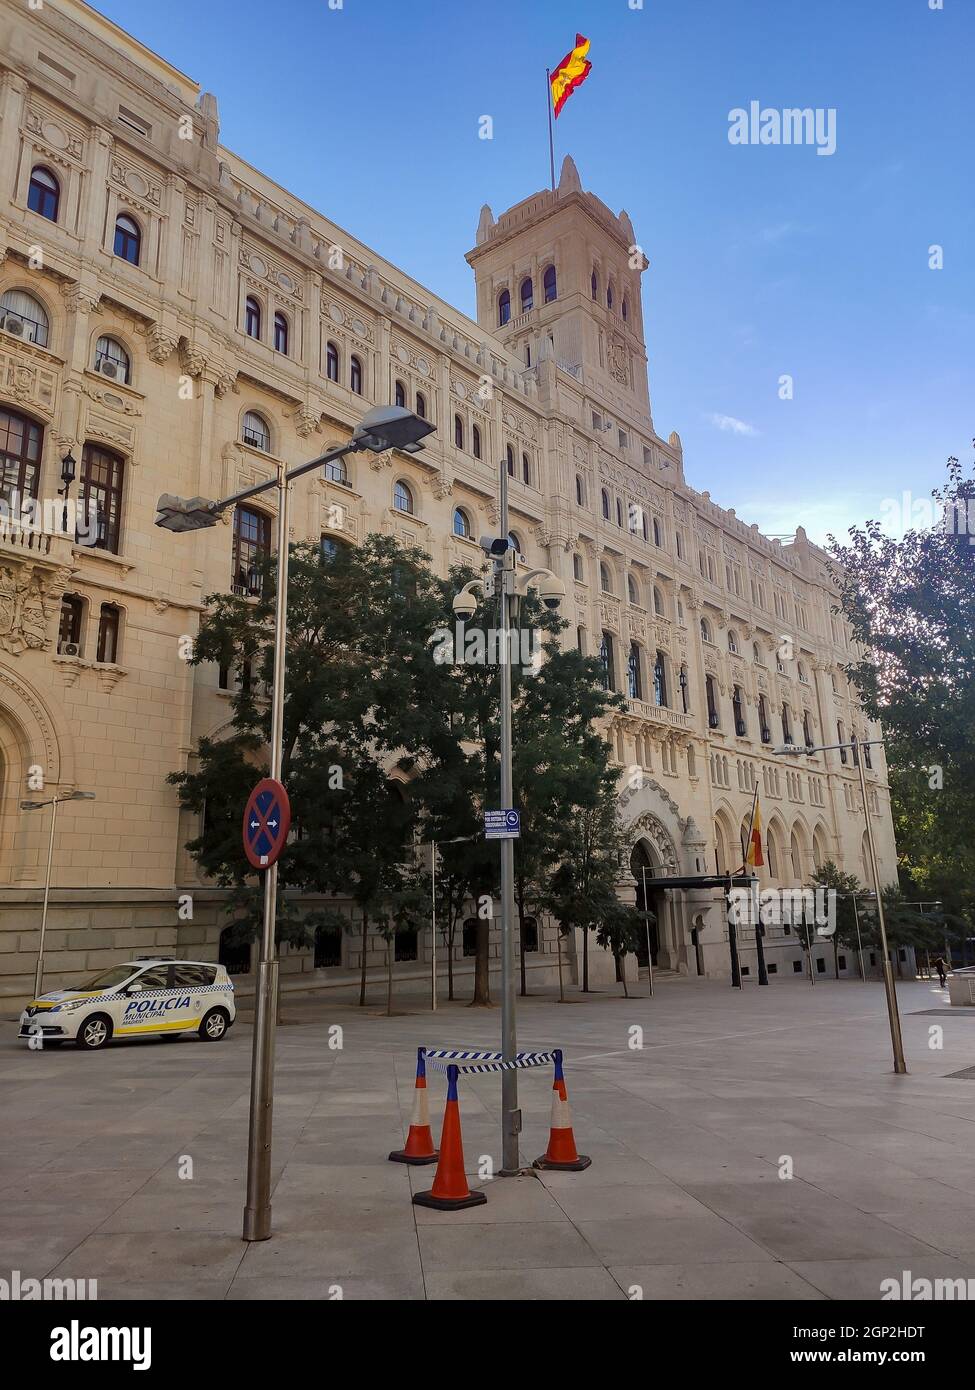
(502,825)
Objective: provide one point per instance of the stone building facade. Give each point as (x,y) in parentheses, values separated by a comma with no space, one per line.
(175,322)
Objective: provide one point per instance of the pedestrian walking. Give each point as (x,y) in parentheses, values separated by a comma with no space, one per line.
(939,965)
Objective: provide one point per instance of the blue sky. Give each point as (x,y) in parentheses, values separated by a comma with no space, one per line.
(765,260)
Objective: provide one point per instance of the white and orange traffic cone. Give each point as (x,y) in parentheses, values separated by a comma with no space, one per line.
(450,1191)
(561,1153)
(419,1142)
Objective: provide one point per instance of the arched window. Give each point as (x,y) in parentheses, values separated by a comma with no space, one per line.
(658,602)
(21,441)
(796,857)
(738,710)
(112,360)
(646,533)
(660,680)
(527,296)
(549,284)
(684,691)
(337,472)
(605,500)
(705,630)
(458,432)
(691,760)
(632,589)
(625,308)
(786,723)
(577,570)
(254,431)
(580,492)
(252,548)
(109,621)
(526,472)
(515,541)
(24,316)
(71,625)
(100,494)
(43,193)
(712,698)
(504,308)
(609,295)
(509,454)
(757,655)
(476,441)
(403,498)
(252,317)
(656,532)
(280,334)
(605,579)
(421,405)
(619,512)
(401,394)
(606,661)
(806,730)
(634,686)
(462,524)
(732,641)
(594,284)
(765,732)
(866,756)
(841,738)
(772,853)
(355,379)
(331,361)
(128,239)
(801,670)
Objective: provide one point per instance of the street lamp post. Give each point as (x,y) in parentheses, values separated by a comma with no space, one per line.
(893,1017)
(53,802)
(385,427)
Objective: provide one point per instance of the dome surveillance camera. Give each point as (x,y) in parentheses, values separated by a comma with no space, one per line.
(551,590)
(464,605)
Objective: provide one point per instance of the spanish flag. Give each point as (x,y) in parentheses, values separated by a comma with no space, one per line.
(570,73)
(754,854)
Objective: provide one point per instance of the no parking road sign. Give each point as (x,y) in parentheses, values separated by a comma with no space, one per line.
(502,825)
(267,820)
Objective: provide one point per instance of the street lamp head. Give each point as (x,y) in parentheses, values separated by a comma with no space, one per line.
(391,427)
(789,749)
(68,468)
(81,796)
(185,514)
(32,805)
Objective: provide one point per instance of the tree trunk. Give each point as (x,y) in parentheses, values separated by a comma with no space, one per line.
(585,960)
(558,943)
(450,959)
(617,961)
(482,976)
(621,975)
(362,973)
(389,975)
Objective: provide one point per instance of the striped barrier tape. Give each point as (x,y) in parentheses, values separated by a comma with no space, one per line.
(490,1061)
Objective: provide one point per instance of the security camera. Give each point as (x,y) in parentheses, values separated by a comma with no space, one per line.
(494,545)
(464,605)
(551,590)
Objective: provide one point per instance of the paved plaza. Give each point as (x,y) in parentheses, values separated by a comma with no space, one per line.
(688,1136)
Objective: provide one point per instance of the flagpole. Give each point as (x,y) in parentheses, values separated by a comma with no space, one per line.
(551,133)
(751,827)
(753,895)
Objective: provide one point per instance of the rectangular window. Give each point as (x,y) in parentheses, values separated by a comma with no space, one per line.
(108,629)
(405,944)
(69,628)
(328,948)
(134,122)
(100,495)
(252,546)
(797,966)
(820,965)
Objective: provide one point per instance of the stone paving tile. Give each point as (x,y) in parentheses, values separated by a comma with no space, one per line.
(372,1248)
(164,1255)
(353,1288)
(766,1281)
(650,1240)
(555,1285)
(507,1245)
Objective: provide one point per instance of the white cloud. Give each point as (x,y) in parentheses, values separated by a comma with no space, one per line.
(730,425)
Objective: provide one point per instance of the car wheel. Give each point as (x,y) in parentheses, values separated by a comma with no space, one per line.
(214,1025)
(94,1033)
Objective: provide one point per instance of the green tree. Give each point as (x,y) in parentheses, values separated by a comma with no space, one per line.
(846,887)
(911,607)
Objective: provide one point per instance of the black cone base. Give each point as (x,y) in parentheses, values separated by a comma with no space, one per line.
(581,1162)
(427,1199)
(401,1156)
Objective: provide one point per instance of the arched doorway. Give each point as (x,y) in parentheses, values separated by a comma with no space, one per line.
(648,904)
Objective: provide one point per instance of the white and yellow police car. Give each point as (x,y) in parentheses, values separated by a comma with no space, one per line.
(140,998)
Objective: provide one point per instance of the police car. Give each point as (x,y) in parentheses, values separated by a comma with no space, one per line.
(141,998)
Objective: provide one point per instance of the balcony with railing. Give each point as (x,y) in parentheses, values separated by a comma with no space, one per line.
(661,714)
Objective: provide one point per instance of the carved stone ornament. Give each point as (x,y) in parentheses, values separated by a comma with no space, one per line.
(29,596)
(306,421)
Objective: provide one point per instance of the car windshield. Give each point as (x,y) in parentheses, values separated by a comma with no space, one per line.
(108,979)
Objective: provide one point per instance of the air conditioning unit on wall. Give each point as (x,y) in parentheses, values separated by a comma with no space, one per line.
(12,324)
(108,368)
(69,649)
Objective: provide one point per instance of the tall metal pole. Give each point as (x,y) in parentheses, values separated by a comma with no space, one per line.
(510,1114)
(551,134)
(897,1043)
(856,918)
(39,971)
(433,918)
(257,1212)
(646,923)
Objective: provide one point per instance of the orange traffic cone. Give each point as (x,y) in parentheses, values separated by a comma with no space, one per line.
(450,1191)
(419,1142)
(561,1153)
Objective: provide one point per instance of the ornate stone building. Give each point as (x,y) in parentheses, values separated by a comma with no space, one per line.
(173,321)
